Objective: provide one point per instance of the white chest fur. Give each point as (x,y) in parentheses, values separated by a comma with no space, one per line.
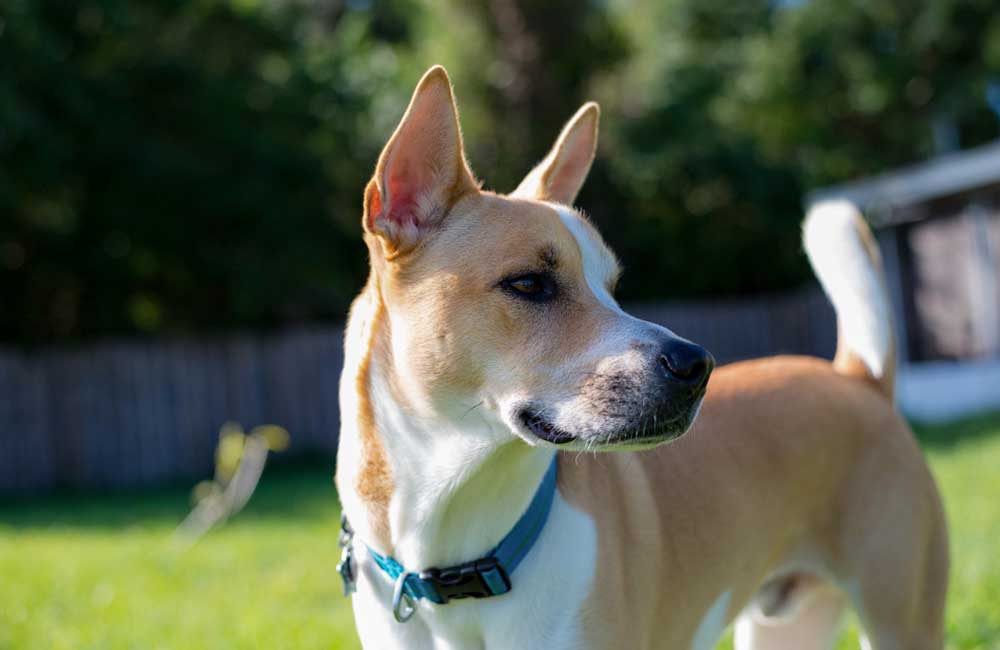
(542,611)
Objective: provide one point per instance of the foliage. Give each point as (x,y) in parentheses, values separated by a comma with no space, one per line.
(739,108)
(848,89)
(169,167)
(102,573)
(176,165)
(724,219)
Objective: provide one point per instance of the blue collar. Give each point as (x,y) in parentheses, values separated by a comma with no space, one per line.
(482,578)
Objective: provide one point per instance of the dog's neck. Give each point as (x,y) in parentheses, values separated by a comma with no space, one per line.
(453,491)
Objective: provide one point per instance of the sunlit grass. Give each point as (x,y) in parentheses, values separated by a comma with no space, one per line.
(91,572)
(81,573)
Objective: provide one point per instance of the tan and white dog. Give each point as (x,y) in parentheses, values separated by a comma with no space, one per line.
(487,339)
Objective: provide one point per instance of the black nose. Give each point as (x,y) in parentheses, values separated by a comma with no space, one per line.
(684,361)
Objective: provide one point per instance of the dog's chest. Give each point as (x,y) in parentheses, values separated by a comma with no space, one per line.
(542,611)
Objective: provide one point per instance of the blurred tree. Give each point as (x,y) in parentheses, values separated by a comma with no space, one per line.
(688,203)
(730,111)
(522,68)
(844,89)
(170,166)
(699,210)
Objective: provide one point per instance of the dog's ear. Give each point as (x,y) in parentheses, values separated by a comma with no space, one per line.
(561,174)
(421,171)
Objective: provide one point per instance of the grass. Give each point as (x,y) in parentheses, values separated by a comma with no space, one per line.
(98,572)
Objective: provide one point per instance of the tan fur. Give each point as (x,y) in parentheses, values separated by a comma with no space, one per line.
(374,481)
(796,469)
(561,174)
(387,244)
(446,298)
(784,454)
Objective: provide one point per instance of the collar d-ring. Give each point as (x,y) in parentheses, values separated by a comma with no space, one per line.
(402,603)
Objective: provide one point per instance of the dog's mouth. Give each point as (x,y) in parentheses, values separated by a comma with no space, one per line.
(543,429)
(663,426)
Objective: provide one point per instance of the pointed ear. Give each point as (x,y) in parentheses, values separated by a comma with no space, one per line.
(422,170)
(561,174)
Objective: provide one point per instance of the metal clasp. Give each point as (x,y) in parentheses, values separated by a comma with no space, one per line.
(346,570)
(346,565)
(402,604)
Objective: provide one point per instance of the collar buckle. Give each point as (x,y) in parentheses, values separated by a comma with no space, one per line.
(476,579)
(482,578)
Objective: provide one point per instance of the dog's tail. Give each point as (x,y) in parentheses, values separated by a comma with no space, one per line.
(845,257)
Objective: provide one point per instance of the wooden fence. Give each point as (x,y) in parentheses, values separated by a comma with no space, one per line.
(122,414)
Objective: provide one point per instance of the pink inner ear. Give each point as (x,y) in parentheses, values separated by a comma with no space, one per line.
(402,199)
(401,209)
(419,165)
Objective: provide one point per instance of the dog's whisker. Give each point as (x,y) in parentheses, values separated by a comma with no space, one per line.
(472,408)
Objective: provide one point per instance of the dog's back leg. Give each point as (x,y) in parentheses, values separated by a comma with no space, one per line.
(809,621)
(902,608)
(899,570)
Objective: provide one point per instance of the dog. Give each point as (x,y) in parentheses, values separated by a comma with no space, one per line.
(487,352)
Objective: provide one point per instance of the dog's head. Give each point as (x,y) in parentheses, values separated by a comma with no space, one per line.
(502,307)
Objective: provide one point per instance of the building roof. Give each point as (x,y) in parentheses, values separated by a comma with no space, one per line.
(942,176)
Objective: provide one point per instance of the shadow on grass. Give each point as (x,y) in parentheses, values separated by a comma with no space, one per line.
(939,437)
(286,491)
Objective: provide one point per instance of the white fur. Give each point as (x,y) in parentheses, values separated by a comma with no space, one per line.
(713,624)
(851,275)
(599,267)
(438,518)
(813,629)
(812,623)
(743,632)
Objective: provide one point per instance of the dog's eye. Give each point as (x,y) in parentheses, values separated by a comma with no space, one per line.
(537,287)
(529,285)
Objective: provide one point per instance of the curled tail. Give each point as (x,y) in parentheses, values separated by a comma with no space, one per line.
(845,257)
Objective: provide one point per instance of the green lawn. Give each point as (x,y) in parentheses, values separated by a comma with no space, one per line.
(80,572)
